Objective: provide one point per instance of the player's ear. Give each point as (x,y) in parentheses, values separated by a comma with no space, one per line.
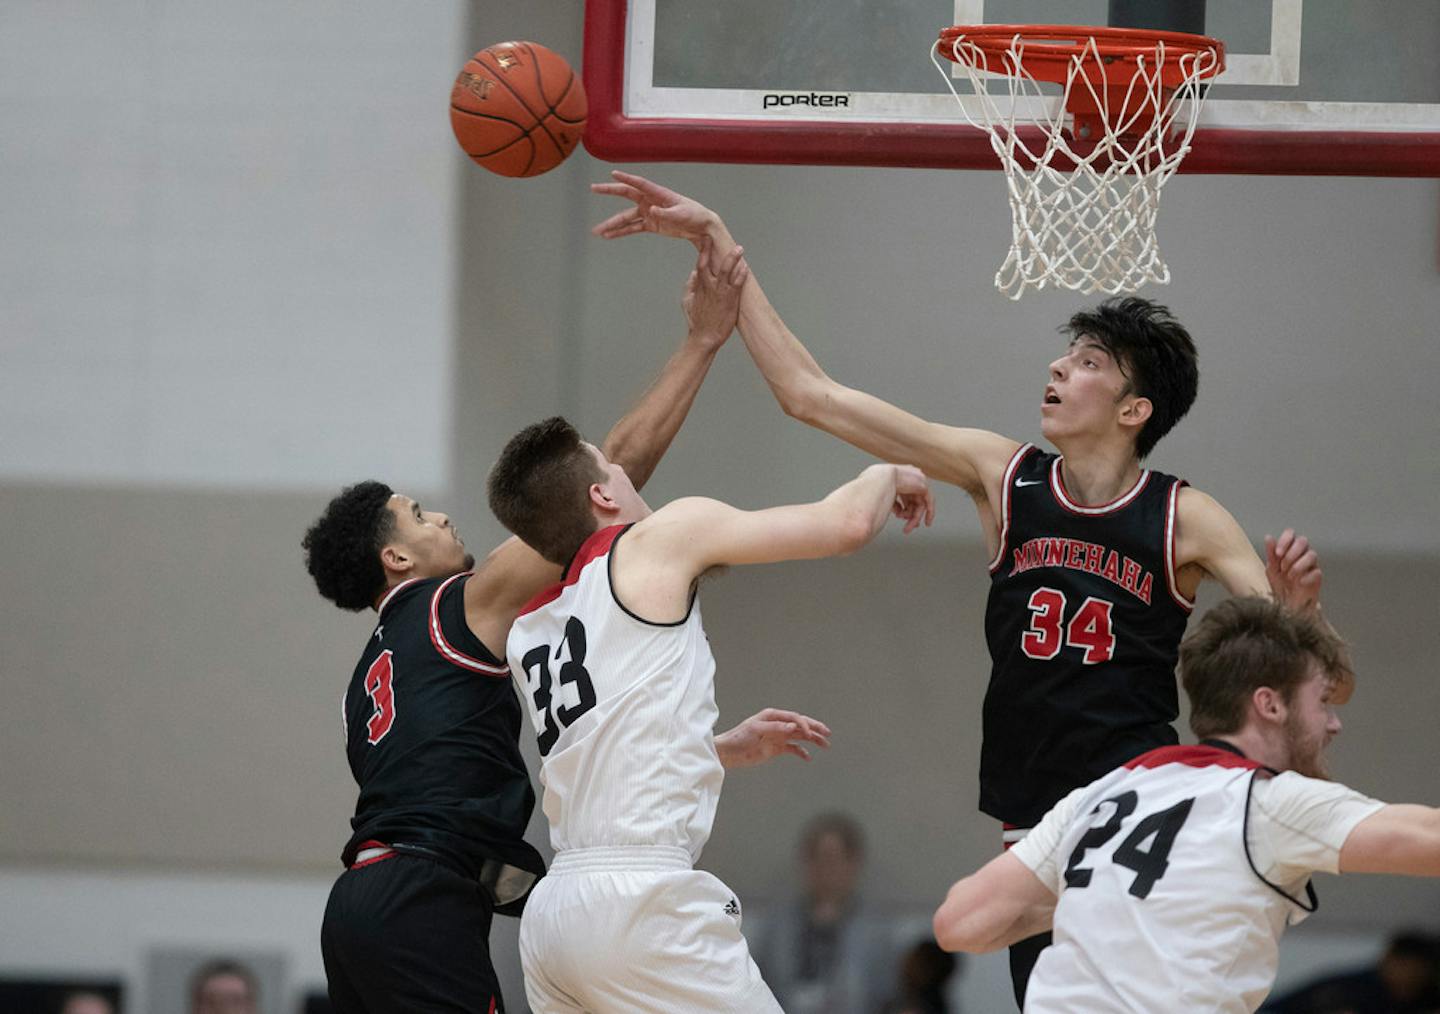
(1268,704)
(393,557)
(601,500)
(1136,411)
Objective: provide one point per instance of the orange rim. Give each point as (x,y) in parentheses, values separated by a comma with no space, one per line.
(1055,46)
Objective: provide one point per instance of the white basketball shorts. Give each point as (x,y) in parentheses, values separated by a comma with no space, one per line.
(636,930)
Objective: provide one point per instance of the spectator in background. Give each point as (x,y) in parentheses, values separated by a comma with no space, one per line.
(224,987)
(1406,980)
(84,1001)
(824,953)
(925,970)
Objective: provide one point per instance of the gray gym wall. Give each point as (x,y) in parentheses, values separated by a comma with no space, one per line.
(172,681)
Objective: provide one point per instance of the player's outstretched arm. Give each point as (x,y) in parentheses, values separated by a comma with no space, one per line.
(969,458)
(655,569)
(711,304)
(993,908)
(1398,838)
(1207,536)
(514,573)
(768,734)
(704,533)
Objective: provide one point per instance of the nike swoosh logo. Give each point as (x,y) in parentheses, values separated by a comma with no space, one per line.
(1028,482)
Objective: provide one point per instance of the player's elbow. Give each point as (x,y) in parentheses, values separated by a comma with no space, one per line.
(961,925)
(804,398)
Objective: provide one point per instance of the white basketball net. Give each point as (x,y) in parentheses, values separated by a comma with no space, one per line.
(1090,228)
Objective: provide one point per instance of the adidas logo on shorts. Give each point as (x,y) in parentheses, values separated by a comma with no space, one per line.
(732,907)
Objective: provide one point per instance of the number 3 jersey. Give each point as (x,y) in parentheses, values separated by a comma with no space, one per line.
(1176,876)
(624,710)
(1083,623)
(432,734)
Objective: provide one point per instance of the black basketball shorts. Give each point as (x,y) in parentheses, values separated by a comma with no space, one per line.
(406,934)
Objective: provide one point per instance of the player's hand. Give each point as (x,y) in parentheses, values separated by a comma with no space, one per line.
(769,734)
(914,500)
(712,295)
(1293,570)
(657,209)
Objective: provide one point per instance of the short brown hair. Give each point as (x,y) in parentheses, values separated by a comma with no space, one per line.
(539,489)
(1244,644)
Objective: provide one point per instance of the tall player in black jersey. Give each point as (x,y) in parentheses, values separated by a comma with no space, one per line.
(432,723)
(1094,559)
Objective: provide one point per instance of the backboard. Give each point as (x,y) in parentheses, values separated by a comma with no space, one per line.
(1335,87)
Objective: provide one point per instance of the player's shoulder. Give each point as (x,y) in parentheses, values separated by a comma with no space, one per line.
(407,595)
(1198,507)
(1275,790)
(677,519)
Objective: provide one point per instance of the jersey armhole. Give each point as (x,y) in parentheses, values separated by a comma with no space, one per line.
(1005,487)
(615,596)
(452,636)
(1311,897)
(1171,582)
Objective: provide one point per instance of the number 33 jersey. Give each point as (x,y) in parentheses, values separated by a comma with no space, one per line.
(1176,876)
(1083,623)
(623,709)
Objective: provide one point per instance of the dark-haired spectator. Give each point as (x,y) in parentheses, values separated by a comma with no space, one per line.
(1406,980)
(925,971)
(224,987)
(84,1001)
(824,951)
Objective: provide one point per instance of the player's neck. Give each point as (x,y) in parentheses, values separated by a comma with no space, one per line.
(1265,746)
(1097,474)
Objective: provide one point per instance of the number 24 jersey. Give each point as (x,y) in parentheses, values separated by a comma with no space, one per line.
(1176,876)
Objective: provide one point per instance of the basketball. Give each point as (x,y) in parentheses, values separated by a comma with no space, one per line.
(517,108)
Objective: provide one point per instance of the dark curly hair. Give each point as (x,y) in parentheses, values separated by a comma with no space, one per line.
(342,547)
(538,489)
(1153,351)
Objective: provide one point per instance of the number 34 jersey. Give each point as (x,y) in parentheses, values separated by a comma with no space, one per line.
(1083,623)
(1176,876)
(624,711)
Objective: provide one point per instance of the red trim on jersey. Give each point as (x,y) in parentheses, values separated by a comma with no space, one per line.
(448,651)
(1062,496)
(590,550)
(1010,469)
(380,609)
(1170,581)
(1192,756)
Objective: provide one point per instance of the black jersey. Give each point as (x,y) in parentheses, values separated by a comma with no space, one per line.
(432,730)
(1083,623)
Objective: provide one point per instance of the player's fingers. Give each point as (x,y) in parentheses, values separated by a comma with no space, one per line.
(740,272)
(702,263)
(798,751)
(1299,547)
(639,182)
(809,735)
(813,725)
(616,221)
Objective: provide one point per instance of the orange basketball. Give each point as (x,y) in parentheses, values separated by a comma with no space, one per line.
(517,108)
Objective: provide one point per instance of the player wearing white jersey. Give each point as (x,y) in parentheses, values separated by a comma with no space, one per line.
(1170,880)
(619,683)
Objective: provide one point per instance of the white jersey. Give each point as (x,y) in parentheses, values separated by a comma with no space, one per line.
(624,710)
(1176,876)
